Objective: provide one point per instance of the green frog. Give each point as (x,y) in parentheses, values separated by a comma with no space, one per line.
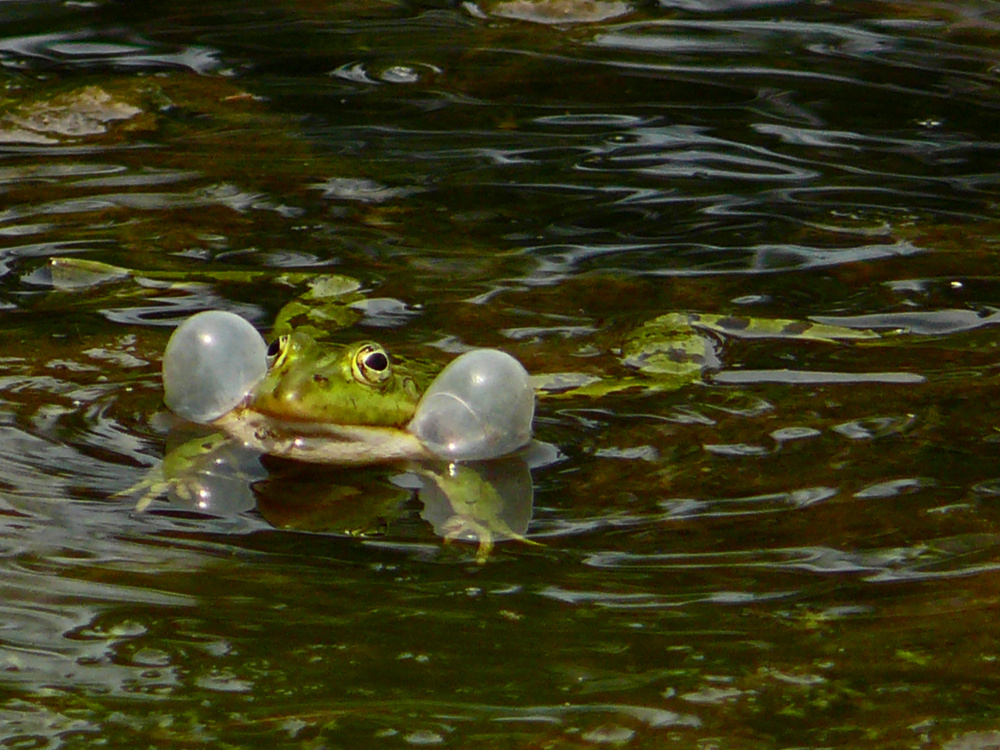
(677,349)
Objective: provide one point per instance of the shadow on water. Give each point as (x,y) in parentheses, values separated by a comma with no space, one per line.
(797,547)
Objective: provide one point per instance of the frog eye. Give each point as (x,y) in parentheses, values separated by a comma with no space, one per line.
(371,365)
(277,350)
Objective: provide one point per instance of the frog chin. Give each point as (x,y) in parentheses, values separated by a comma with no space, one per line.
(322,443)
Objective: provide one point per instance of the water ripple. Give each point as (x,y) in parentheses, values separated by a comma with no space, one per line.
(88,49)
(940,559)
(636,601)
(558,262)
(395,73)
(710,38)
(921,323)
(685,151)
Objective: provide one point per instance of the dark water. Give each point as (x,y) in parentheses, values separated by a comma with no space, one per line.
(800,551)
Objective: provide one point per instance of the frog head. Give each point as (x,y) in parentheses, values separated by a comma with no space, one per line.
(351,385)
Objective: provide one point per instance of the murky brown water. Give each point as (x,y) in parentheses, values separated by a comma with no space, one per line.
(800,551)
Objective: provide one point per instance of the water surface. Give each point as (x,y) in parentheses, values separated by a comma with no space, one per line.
(799,550)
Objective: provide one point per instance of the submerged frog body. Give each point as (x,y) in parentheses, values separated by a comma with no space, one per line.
(676,349)
(353,385)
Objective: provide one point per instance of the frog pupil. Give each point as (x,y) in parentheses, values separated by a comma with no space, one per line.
(377,361)
(273,348)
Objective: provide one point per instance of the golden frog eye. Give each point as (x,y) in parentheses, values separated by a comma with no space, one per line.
(277,350)
(371,365)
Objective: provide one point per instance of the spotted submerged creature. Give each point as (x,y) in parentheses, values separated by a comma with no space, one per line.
(671,345)
(676,349)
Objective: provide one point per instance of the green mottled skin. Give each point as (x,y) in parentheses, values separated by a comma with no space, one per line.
(672,350)
(312,383)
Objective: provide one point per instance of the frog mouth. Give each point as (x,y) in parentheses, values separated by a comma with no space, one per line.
(321,443)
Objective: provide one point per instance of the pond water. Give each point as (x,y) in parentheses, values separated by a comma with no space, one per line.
(800,548)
